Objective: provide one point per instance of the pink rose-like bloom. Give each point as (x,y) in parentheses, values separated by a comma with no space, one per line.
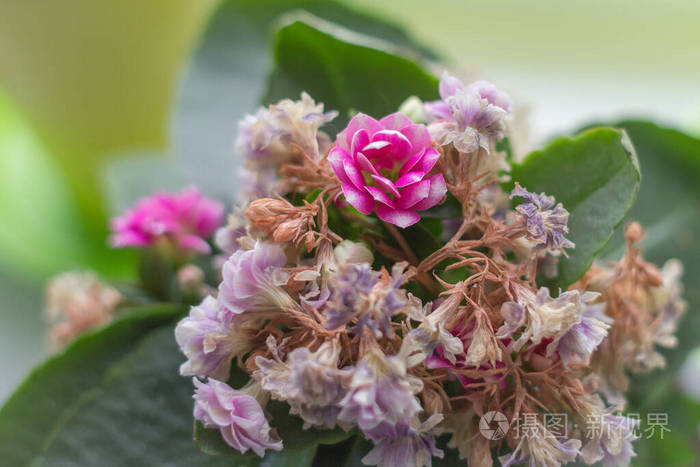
(385,164)
(186,218)
(237,415)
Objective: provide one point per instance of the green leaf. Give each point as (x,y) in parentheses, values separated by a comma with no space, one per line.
(596,177)
(346,71)
(668,208)
(49,400)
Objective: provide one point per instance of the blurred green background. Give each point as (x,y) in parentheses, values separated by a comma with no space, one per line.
(101,102)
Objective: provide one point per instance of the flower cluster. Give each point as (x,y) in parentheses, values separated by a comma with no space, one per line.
(182,220)
(344,297)
(77,302)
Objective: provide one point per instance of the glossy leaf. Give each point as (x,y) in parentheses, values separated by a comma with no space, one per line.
(668,208)
(346,71)
(596,177)
(34,417)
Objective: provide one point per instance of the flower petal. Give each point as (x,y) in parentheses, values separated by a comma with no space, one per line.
(354,174)
(336,157)
(395,121)
(399,217)
(359,199)
(449,85)
(359,140)
(418,135)
(438,188)
(364,164)
(400,145)
(414,193)
(375,149)
(428,160)
(385,184)
(363,122)
(411,162)
(380,196)
(410,177)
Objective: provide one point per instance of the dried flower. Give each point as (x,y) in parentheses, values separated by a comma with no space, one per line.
(282,221)
(542,448)
(408,447)
(380,397)
(539,317)
(237,415)
(310,382)
(186,219)
(210,339)
(269,132)
(546,223)
(367,297)
(606,437)
(77,302)
(252,280)
(386,164)
(577,345)
(468,117)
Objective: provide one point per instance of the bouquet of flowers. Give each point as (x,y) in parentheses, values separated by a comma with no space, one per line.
(395,284)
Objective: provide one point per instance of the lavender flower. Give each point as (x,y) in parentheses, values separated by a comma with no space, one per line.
(210,340)
(431,333)
(252,280)
(546,223)
(538,447)
(358,292)
(265,136)
(577,345)
(607,437)
(380,397)
(310,382)
(667,298)
(409,447)
(237,415)
(255,133)
(468,117)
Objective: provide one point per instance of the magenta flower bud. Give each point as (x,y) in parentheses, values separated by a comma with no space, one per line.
(384,165)
(186,218)
(237,415)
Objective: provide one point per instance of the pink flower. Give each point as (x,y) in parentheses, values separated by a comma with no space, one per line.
(186,218)
(384,164)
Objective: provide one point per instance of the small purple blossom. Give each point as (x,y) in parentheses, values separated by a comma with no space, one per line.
(577,345)
(186,218)
(380,397)
(410,447)
(209,341)
(538,447)
(237,415)
(255,133)
(546,223)
(468,117)
(310,382)
(607,437)
(252,279)
(385,165)
(357,292)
